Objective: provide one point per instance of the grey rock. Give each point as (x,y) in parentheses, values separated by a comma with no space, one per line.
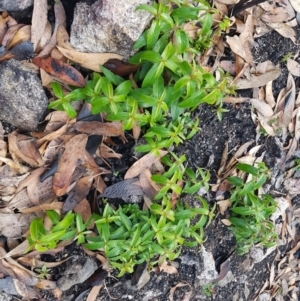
(77,273)
(22,98)
(108,26)
(14,5)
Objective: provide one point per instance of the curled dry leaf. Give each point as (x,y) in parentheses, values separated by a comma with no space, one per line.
(60,20)
(74,152)
(61,70)
(10,33)
(22,35)
(91,61)
(3,25)
(142,164)
(24,148)
(21,169)
(39,21)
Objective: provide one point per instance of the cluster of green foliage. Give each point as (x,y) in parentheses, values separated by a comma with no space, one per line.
(70,227)
(169,83)
(129,235)
(250,212)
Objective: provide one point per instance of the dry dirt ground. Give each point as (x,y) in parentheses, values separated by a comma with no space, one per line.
(247,274)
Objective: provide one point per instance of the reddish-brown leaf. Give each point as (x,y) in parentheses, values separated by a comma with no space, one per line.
(120,68)
(61,70)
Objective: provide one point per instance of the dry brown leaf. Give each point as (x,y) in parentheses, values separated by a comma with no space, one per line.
(293,67)
(236,46)
(262,107)
(28,293)
(74,152)
(57,55)
(57,134)
(39,21)
(32,182)
(142,164)
(22,35)
(259,80)
(297,125)
(43,207)
(289,101)
(180,284)
(269,95)
(78,193)
(63,38)
(226,222)
(223,206)
(232,99)
(277,15)
(228,2)
(94,293)
(107,152)
(56,120)
(3,26)
(146,185)
(46,37)
(16,271)
(110,129)
(46,79)
(15,225)
(22,201)
(169,269)
(24,148)
(84,209)
(91,61)
(296,5)
(284,30)
(21,169)
(10,33)
(60,20)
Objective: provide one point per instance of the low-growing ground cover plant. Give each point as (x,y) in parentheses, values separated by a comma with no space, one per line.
(160,97)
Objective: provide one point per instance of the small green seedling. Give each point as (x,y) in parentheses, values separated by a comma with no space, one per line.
(44,272)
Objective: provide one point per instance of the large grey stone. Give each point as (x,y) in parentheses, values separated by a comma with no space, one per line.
(22,98)
(109,26)
(14,5)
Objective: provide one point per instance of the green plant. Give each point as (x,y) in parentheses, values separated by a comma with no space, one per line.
(44,272)
(70,227)
(250,211)
(130,236)
(170,84)
(208,289)
(160,98)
